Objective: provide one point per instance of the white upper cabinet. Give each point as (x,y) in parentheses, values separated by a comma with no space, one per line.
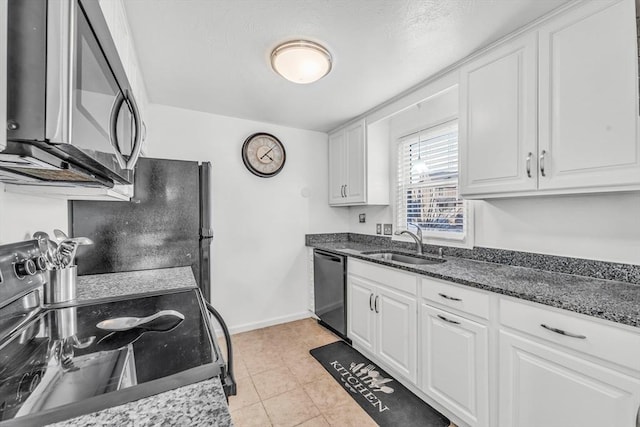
(337,168)
(589,98)
(554,111)
(358,166)
(498,119)
(347,158)
(355,182)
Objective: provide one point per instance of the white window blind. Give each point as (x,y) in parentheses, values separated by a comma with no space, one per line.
(427,193)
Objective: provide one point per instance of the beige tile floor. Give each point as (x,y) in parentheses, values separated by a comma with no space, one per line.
(281,384)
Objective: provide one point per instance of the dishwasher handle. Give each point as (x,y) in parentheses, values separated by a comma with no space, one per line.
(329,257)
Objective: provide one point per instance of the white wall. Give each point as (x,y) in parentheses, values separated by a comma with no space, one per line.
(21,216)
(595,226)
(259,258)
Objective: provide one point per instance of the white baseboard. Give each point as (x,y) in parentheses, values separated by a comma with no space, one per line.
(269,322)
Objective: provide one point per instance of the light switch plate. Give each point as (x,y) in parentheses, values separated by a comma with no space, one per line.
(362,218)
(378,228)
(388,229)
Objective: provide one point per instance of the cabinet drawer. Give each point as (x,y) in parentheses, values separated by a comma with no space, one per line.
(465,300)
(608,342)
(389,277)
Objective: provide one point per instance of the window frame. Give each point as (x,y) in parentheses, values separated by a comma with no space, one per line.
(431,236)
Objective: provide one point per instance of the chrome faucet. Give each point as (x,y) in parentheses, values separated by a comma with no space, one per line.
(417,238)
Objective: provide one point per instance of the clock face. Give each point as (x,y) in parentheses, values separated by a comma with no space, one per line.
(263,154)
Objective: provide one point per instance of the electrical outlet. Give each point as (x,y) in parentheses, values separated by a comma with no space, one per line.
(362,218)
(378,228)
(388,229)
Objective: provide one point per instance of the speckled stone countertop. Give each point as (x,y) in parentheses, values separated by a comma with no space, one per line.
(199,404)
(607,299)
(98,286)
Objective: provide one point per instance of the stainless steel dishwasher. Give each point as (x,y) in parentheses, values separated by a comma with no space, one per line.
(330,291)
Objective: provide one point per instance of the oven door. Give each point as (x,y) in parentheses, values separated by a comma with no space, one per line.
(70,93)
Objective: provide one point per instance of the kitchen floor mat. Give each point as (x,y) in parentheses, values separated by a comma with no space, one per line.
(387,401)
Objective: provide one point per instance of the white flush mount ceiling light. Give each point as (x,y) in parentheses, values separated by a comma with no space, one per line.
(301,61)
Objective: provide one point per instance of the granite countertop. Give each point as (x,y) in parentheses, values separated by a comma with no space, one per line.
(199,404)
(607,299)
(98,286)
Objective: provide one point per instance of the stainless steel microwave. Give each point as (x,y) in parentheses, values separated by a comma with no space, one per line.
(71,115)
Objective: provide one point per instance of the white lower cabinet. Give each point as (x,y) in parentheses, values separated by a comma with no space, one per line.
(544,386)
(360,314)
(397,331)
(454,364)
(384,321)
(487,360)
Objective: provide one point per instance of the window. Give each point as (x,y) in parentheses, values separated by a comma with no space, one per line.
(427,191)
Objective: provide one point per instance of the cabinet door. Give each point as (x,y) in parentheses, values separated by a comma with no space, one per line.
(356,156)
(337,168)
(498,120)
(588,97)
(542,386)
(397,331)
(360,313)
(454,364)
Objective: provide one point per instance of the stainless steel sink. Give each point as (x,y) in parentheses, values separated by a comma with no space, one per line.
(403,258)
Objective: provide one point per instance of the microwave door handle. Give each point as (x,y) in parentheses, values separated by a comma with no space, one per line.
(137,141)
(113,129)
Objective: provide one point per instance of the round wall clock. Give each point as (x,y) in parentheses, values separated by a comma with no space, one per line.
(263,154)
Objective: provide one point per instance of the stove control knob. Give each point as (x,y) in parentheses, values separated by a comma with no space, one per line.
(26,268)
(41,263)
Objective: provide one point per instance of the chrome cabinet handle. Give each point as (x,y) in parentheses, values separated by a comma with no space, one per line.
(448,320)
(449,298)
(529,164)
(371,302)
(542,162)
(375,304)
(345,191)
(561,332)
(342,191)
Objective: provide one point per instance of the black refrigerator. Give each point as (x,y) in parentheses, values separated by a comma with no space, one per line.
(166,224)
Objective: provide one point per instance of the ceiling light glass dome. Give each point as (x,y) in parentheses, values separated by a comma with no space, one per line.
(301,61)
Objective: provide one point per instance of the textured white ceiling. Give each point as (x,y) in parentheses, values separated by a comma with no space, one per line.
(213,55)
